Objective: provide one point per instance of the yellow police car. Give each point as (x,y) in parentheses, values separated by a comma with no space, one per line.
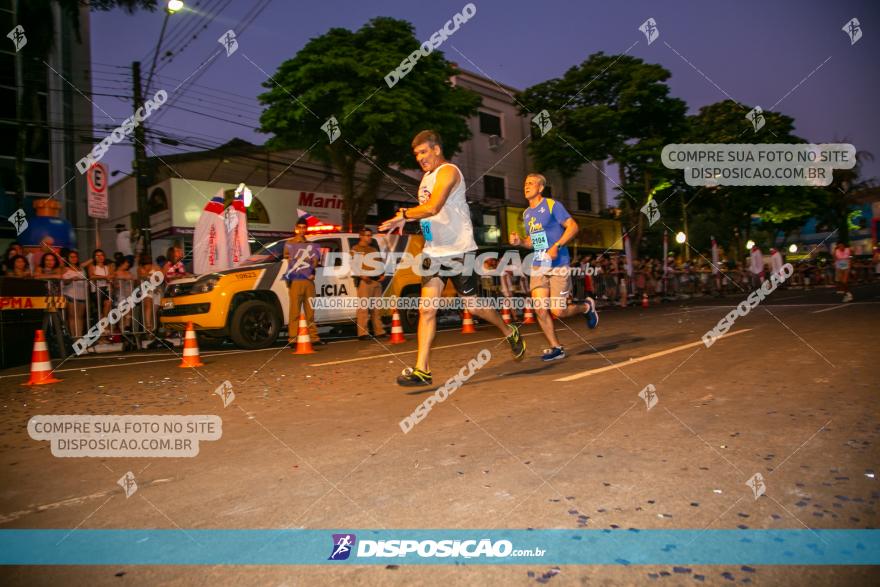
(249,304)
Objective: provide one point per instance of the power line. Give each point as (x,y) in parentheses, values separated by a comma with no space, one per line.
(110,65)
(167,105)
(197,134)
(245,23)
(174,79)
(183,42)
(187,26)
(193,104)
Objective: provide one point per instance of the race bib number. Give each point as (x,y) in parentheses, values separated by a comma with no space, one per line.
(426,229)
(843,264)
(539,240)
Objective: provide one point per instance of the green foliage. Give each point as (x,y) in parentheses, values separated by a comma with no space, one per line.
(608,106)
(341,74)
(778,207)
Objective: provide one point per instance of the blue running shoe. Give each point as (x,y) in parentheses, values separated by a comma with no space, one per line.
(591,315)
(555,354)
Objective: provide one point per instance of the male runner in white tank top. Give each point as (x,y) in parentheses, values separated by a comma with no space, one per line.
(445,219)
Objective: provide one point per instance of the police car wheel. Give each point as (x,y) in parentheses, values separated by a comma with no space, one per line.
(255,325)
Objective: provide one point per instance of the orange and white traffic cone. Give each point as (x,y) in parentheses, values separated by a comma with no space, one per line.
(303,340)
(645,300)
(41,363)
(396,329)
(529,317)
(190,348)
(467,323)
(505,315)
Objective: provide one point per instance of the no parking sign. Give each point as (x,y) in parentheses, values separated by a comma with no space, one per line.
(96,178)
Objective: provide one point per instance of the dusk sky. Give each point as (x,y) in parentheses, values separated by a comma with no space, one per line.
(793,55)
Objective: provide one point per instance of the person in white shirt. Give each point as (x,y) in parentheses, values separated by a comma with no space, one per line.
(445,220)
(756,266)
(776,261)
(75,288)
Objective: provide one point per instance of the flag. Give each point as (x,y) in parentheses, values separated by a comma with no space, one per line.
(235,219)
(210,248)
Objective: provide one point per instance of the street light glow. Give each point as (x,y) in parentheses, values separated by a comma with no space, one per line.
(750,244)
(174,6)
(792,248)
(680,237)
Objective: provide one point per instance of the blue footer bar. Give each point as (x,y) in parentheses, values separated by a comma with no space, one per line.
(493,547)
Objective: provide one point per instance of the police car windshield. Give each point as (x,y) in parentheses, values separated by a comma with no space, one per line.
(267,254)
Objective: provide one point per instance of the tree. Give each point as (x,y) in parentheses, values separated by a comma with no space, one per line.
(36,17)
(738,207)
(844,191)
(609,106)
(341,74)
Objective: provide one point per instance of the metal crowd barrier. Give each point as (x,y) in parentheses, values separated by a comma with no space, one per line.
(81,303)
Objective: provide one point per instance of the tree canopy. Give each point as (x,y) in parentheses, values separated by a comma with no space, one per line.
(341,74)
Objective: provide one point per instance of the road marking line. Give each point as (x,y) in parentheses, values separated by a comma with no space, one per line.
(436,348)
(699,309)
(645,358)
(834,307)
(209,354)
(140,362)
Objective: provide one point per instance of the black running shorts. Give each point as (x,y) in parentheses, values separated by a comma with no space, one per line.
(465,285)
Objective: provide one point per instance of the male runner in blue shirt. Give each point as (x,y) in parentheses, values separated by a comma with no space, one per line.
(549,227)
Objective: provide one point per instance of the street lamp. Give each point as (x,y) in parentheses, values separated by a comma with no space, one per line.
(750,244)
(792,248)
(170,8)
(680,237)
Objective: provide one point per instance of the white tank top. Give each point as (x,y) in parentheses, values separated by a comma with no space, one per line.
(449,232)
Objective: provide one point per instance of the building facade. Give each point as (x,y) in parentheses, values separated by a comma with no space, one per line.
(58,120)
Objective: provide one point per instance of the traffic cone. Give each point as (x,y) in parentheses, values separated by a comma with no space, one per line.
(529,316)
(190,348)
(644,300)
(41,363)
(467,323)
(303,340)
(505,315)
(396,329)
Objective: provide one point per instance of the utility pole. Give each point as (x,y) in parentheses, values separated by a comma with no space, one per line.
(22,128)
(139,164)
(684,218)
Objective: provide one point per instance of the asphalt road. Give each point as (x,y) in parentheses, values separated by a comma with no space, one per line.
(314,441)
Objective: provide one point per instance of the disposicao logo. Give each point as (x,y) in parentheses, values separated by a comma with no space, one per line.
(343,544)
